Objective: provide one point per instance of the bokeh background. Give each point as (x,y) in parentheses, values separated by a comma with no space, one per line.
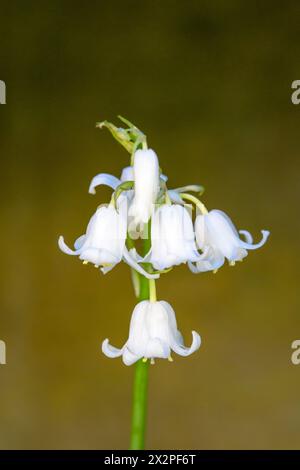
(210,84)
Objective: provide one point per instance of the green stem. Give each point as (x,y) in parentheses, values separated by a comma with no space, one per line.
(152,290)
(196,201)
(140,386)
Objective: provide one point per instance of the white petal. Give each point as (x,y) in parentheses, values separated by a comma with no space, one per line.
(99,256)
(200,231)
(249,246)
(223,219)
(129,260)
(175,197)
(172,237)
(105,237)
(127,174)
(107,269)
(138,329)
(171,317)
(184,351)
(247,235)
(105,179)
(147,257)
(193,268)
(134,254)
(129,358)
(212,260)
(66,249)
(79,242)
(111,351)
(222,234)
(146,185)
(156,347)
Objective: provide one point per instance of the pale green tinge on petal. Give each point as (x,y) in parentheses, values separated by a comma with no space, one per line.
(134,254)
(122,188)
(192,188)
(107,269)
(174,194)
(127,174)
(135,282)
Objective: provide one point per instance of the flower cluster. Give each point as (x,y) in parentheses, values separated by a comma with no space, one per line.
(142,200)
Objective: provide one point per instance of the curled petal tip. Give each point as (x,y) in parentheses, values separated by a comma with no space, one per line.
(265,236)
(253,246)
(92,190)
(265,233)
(110,351)
(185,351)
(196,341)
(63,247)
(103,179)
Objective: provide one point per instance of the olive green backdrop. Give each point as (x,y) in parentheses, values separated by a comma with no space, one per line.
(210,84)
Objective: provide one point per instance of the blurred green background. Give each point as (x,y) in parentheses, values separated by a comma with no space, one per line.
(210,84)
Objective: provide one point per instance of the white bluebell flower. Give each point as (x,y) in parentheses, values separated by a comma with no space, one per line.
(153,334)
(218,238)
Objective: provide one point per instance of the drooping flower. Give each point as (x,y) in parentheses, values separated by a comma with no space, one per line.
(172,237)
(146,185)
(218,238)
(153,334)
(104,243)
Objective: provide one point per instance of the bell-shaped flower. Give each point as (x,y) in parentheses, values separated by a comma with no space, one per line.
(104,243)
(153,334)
(218,238)
(146,185)
(172,237)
